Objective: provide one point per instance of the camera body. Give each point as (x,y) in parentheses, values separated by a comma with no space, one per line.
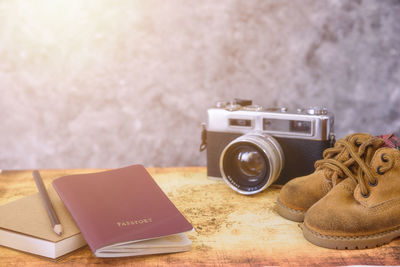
(294,139)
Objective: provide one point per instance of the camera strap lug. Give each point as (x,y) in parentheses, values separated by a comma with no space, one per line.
(203,145)
(332,139)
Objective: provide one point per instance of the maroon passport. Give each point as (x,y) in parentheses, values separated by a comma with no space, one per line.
(123,212)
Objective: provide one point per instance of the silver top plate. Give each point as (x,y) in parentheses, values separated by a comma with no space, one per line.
(302,125)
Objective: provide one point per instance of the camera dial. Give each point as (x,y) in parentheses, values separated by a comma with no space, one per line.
(232,106)
(317,111)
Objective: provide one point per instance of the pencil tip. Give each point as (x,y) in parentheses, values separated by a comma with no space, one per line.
(58,229)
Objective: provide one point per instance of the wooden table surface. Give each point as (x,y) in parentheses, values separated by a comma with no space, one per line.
(230,229)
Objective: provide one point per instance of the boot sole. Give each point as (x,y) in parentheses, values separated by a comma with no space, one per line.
(288,213)
(356,242)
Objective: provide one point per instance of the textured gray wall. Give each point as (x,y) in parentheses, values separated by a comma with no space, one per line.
(112,83)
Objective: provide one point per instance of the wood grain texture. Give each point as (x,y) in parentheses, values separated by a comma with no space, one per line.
(230,229)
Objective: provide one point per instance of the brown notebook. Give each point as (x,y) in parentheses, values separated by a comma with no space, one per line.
(25,225)
(123,212)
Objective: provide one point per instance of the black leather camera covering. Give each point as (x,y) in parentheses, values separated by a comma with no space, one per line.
(300,154)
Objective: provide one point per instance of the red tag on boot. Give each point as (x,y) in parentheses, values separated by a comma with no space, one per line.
(390,140)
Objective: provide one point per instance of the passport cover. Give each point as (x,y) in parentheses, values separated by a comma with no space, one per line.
(117,209)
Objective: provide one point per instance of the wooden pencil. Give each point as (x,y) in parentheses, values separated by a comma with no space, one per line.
(55,222)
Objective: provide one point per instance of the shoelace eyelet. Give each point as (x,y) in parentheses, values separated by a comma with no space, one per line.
(383,157)
(373,184)
(364,196)
(356,143)
(378,170)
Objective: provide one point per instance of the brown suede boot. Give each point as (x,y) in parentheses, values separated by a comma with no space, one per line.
(363,211)
(299,194)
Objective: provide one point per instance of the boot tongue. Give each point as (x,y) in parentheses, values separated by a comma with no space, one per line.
(344,154)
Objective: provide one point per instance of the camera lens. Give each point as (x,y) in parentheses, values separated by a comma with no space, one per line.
(251,162)
(245,165)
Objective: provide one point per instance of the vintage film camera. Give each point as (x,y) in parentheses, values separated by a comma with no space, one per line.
(251,147)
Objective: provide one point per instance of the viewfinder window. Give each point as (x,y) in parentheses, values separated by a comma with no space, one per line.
(240,122)
(289,126)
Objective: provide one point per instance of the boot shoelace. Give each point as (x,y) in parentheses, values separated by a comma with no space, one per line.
(342,169)
(364,177)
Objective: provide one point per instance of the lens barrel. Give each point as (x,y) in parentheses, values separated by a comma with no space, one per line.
(251,163)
